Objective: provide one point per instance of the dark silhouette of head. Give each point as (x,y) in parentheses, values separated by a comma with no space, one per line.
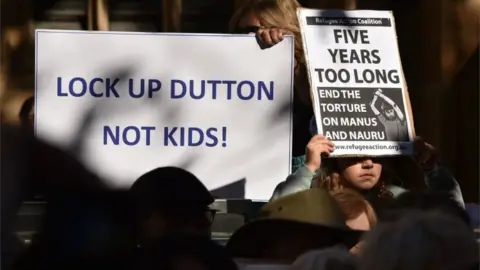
(425,201)
(421,240)
(170,200)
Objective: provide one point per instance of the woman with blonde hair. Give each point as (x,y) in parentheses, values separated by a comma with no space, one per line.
(270,21)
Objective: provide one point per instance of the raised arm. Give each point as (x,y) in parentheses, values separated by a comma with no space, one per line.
(372,105)
(394,106)
(298,181)
(302,178)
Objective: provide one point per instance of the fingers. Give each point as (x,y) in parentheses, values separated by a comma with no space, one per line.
(326,149)
(277,35)
(271,36)
(319,137)
(425,153)
(276,38)
(326,145)
(265,36)
(322,144)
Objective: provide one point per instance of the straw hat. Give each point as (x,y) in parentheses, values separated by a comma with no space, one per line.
(313,211)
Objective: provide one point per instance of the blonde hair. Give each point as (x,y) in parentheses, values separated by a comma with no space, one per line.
(353,204)
(274,13)
(329,179)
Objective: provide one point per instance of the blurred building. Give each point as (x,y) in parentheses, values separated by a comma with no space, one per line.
(438,39)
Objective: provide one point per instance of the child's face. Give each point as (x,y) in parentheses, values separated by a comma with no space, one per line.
(360,173)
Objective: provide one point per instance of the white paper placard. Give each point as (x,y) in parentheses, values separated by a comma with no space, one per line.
(126,103)
(358,88)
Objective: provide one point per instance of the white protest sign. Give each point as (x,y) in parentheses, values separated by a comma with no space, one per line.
(126,103)
(359,93)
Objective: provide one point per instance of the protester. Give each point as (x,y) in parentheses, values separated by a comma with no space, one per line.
(369,175)
(182,252)
(169,200)
(171,221)
(327,259)
(421,241)
(270,20)
(292,225)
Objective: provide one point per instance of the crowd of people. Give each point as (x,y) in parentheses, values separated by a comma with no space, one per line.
(366,213)
(164,220)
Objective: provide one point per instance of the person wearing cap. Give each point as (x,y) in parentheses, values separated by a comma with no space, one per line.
(291,226)
(169,200)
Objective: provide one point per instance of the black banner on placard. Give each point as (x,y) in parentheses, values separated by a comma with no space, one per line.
(363,114)
(347,21)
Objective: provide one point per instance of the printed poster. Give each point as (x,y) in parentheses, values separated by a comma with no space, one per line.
(126,103)
(359,93)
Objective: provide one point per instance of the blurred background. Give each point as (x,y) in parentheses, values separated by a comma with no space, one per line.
(438,41)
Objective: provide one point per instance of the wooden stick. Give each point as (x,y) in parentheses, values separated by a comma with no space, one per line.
(103,23)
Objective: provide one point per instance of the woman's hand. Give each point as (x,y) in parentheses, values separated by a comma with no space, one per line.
(425,154)
(317,146)
(271,36)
